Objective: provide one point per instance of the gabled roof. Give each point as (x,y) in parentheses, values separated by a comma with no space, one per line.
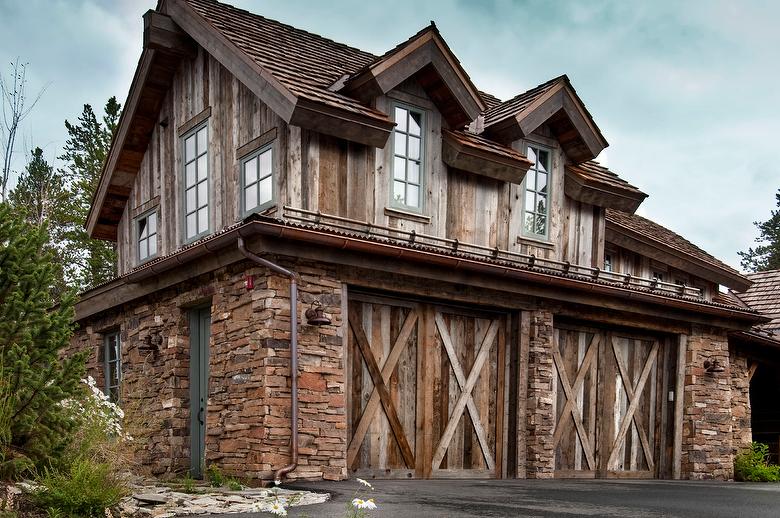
(591,182)
(556,104)
(490,100)
(764,296)
(658,242)
(426,56)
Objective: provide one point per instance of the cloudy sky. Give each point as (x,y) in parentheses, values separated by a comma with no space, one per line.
(685,92)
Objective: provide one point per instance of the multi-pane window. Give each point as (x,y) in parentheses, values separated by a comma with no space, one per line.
(112,356)
(536,207)
(607,263)
(257,180)
(196,183)
(147,236)
(407,159)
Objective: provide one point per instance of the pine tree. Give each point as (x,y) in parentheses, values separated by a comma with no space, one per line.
(84,154)
(765,256)
(35,378)
(41,198)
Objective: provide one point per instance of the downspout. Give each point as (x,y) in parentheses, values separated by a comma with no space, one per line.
(280,473)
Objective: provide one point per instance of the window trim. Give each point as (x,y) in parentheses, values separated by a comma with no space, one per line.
(550,173)
(423,169)
(270,146)
(107,386)
(137,235)
(183,175)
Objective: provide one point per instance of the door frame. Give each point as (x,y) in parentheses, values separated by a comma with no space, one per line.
(200,334)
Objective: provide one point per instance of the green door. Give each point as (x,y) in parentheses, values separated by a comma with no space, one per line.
(200,331)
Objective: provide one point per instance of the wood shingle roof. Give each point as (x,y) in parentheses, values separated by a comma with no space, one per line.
(764,296)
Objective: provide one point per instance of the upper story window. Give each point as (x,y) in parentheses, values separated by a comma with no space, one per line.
(536,208)
(257,180)
(146,228)
(196,183)
(112,359)
(408,145)
(607,262)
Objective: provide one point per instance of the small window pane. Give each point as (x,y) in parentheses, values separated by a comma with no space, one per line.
(544,160)
(250,197)
(414,148)
(529,200)
(203,167)
(202,140)
(203,219)
(531,155)
(413,174)
(190,172)
(189,148)
(250,171)
(266,166)
(399,146)
(266,190)
(541,224)
(152,245)
(191,225)
(203,195)
(398,191)
(541,182)
(152,223)
(541,204)
(412,195)
(399,166)
(528,223)
(191,201)
(142,228)
(415,121)
(400,119)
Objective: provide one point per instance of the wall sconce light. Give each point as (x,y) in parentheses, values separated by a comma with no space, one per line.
(315,315)
(151,343)
(712,365)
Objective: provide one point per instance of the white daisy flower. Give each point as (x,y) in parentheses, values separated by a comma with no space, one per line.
(364,482)
(364,504)
(358,503)
(278,509)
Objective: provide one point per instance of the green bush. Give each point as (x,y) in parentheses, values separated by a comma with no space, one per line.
(85,490)
(751,465)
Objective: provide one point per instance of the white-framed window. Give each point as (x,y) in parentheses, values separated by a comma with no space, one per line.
(536,203)
(257,180)
(408,166)
(196,183)
(146,235)
(112,361)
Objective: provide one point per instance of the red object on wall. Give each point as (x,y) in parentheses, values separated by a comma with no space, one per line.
(249,282)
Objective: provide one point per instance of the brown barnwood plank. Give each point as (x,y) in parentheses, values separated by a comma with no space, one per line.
(379,385)
(501,404)
(580,377)
(679,388)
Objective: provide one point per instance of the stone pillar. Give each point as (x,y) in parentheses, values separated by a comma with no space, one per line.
(740,400)
(707,416)
(540,421)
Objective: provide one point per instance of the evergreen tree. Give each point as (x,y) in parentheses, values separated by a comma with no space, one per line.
(84,154)
(766,255)
(35,377)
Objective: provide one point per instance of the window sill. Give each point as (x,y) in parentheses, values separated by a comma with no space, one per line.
(523,240)
(411,216)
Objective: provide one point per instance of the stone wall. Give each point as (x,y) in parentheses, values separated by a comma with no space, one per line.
(540,421)
(742,434)
(247,426)
(707,416)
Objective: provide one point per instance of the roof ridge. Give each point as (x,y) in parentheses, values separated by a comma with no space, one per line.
(537,87)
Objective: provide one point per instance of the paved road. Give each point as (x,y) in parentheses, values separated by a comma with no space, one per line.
(469,498)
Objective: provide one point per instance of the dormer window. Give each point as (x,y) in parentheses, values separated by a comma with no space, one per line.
(408,146)
(257,180)
(196,183)
(536,208)
(146,228)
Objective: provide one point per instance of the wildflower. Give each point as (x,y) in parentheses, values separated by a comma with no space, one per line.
(277,482)
(369,504)
(358,503)
(278,509)
(365,483)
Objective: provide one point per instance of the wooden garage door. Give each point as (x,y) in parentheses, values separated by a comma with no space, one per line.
(611,404)
(427,392)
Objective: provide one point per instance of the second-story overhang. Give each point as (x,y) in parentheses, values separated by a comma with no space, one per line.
(398,257)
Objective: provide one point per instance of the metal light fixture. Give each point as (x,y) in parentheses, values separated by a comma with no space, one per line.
(712,365)
(315,315)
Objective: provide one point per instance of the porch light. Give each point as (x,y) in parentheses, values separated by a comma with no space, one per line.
(712,365)
(315,315)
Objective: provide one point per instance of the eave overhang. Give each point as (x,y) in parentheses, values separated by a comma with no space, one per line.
(561,109)
(598,193)
(479,156)
(427,57)
(654,249)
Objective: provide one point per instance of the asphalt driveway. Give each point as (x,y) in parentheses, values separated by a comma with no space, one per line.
(636,499)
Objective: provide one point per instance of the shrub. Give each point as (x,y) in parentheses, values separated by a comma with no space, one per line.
(216,478)
(85,490)
(751,465)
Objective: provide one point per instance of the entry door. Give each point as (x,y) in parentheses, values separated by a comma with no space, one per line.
(427,392)
(200,332)
(611,404)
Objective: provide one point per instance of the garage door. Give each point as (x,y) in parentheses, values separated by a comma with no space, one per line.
(426,389)
(612,404)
